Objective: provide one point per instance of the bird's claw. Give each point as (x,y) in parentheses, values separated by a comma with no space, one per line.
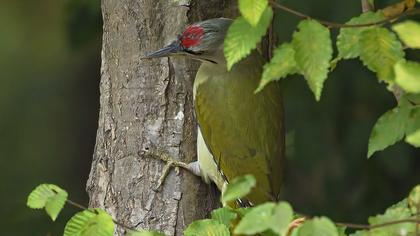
(170,163)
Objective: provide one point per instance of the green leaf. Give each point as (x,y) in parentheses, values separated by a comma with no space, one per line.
(144,233)
(348,40)
(207,227)
(401,204)
(242,37)
(413,138)
(257,220)
(313,52)
(282,64)
(282,216)
(341,230)
(90,222)
(407,75)
(414,200)
(392,214)
(361,233)
(389,129)
(380,50)
(239,187)
(318,226)
(48,196)
(413,127)
(268,216)
(224,216)
(252,10)
(409,33)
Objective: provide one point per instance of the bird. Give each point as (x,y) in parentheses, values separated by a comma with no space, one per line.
(239,131)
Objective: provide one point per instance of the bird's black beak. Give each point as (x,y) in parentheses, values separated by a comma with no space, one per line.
(170,50)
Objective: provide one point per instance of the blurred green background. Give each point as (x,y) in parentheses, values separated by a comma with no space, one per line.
(49,77)
(49,101)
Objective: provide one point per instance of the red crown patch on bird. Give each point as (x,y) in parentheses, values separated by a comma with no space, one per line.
(191,36)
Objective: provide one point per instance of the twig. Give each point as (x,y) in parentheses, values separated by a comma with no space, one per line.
(331,24)
(70,202)
(368,227)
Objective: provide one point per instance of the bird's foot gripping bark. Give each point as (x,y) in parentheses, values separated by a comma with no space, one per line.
(192,167)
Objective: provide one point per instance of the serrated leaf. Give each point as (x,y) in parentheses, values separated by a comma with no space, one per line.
(407,75)
(401,204)
(282,64)
(393,214)
(48,196)
(257,220)
(414,200)
(242,38)
(389,129)
(206,227)
(313,52)
(348,40)
(409,32)
(318,226)
(144,233)
(239,187)
(224,216)
(90,222)
(380,50)
(252,10)
(265,218)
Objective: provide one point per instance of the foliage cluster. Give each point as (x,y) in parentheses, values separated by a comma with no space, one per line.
(268,219)
(310,53)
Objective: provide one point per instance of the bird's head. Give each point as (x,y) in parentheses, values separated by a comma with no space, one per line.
(202,41)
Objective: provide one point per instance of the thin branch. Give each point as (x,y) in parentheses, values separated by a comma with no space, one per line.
(368,227)
(331,24)
(70,202)
(353,226)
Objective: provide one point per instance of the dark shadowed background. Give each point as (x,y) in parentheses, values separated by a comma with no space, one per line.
(49,77)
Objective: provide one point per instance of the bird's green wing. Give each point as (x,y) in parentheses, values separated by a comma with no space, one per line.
(243,130)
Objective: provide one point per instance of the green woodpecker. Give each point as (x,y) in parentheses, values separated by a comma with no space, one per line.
(239,132)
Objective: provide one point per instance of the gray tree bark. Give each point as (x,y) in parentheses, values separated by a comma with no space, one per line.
(147,105)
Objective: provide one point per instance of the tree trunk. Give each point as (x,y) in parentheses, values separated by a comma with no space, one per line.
(147,105)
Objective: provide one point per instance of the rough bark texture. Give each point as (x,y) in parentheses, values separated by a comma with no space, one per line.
(147,105)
